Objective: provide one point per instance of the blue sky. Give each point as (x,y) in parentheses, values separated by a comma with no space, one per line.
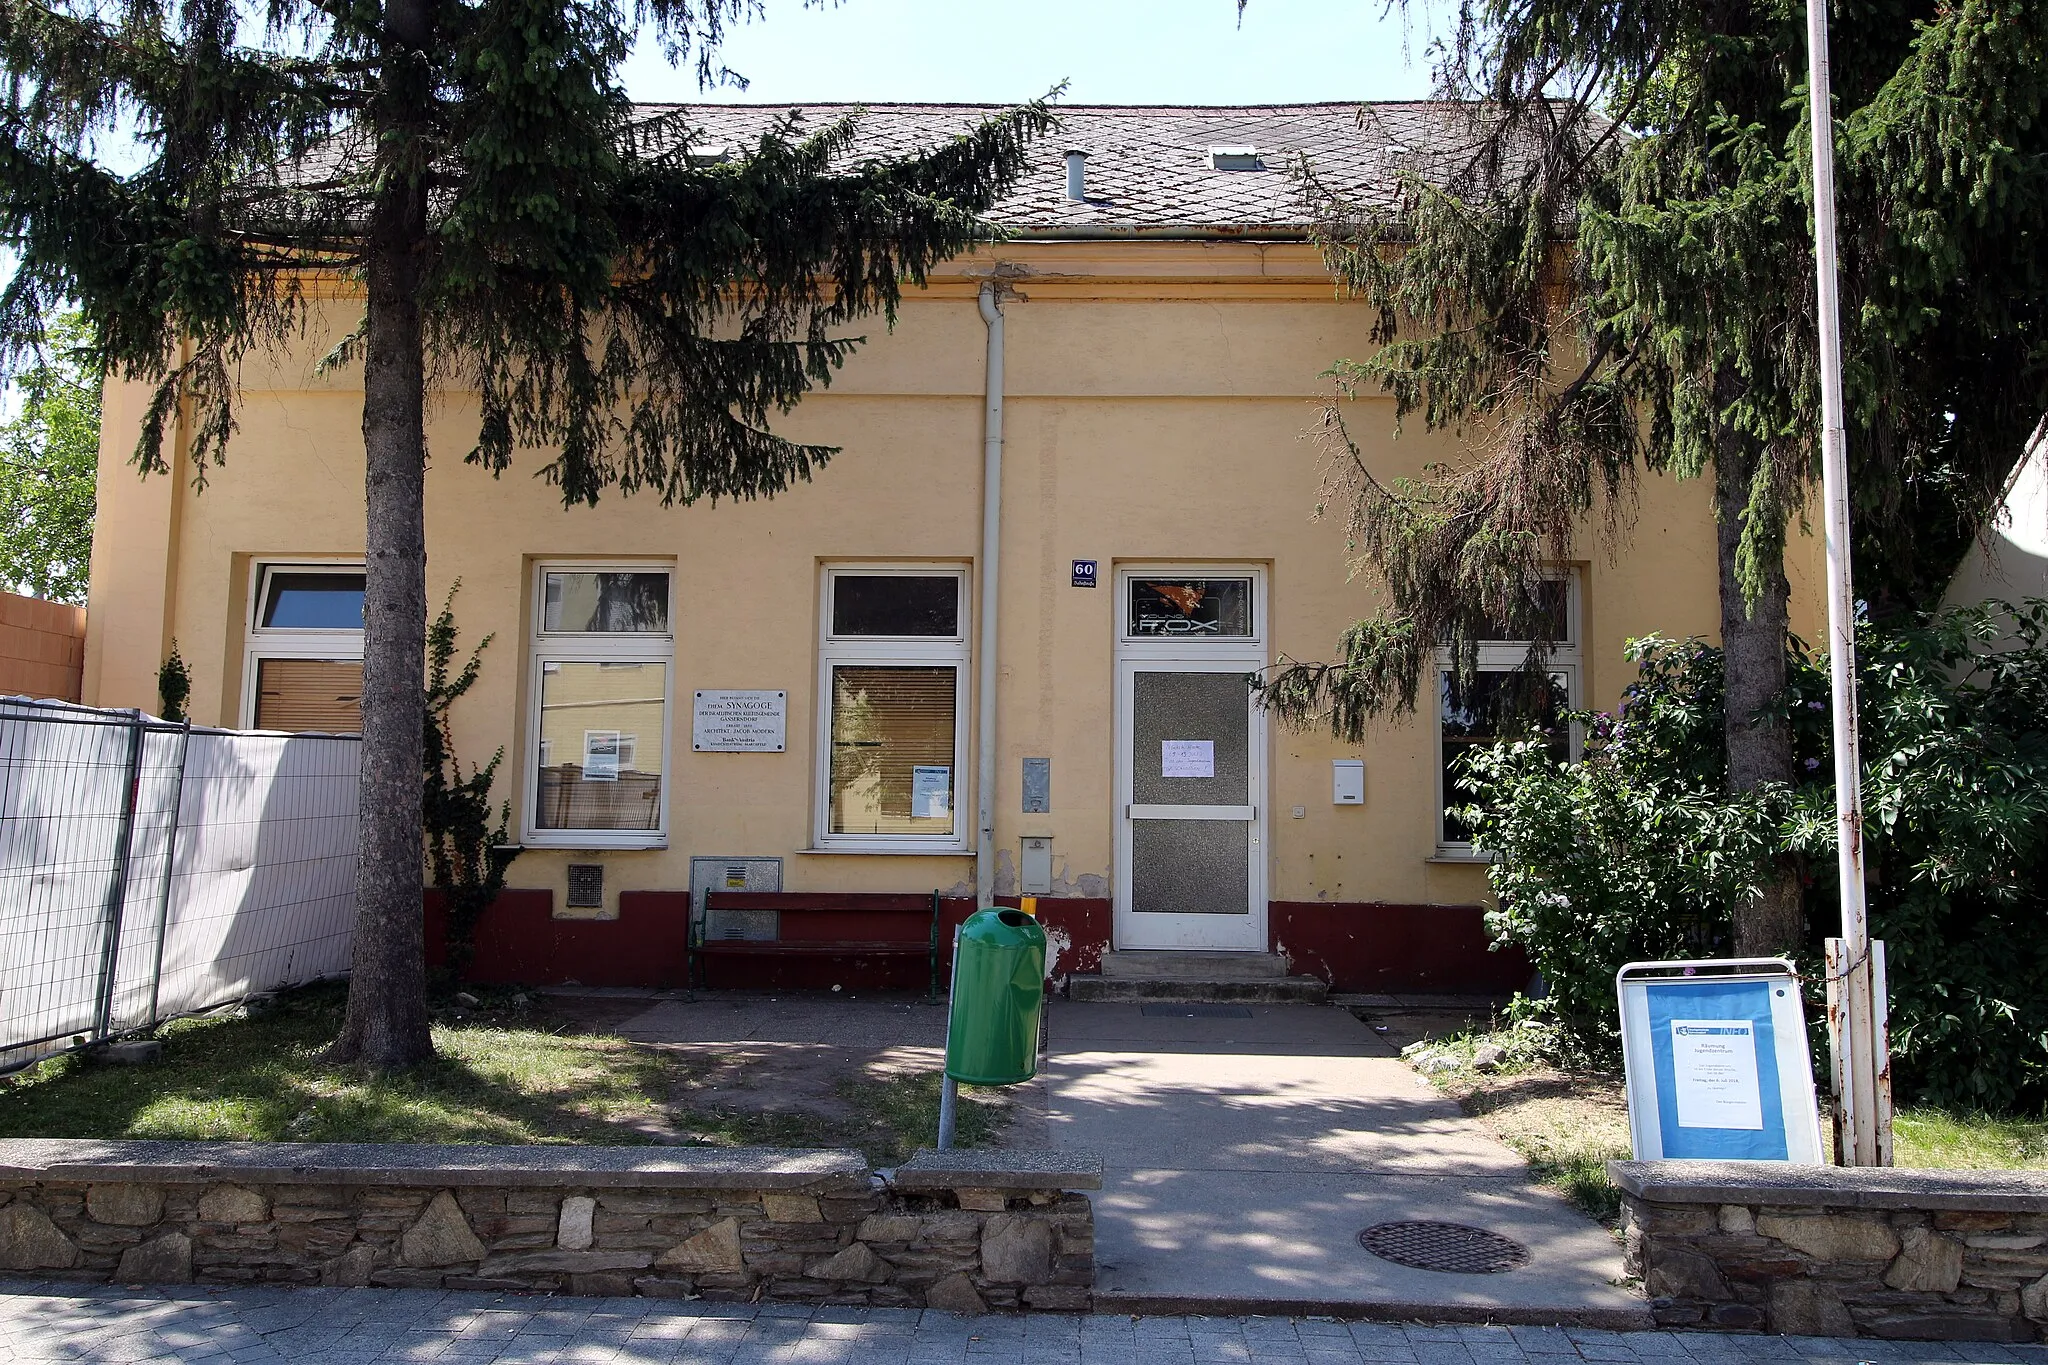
(1110,52)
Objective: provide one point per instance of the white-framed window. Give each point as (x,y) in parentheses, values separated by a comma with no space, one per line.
(1500,695)
(602,657)
(892,712)
(302,665)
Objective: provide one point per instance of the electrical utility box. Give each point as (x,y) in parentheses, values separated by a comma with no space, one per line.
(735,874)
(1035,867)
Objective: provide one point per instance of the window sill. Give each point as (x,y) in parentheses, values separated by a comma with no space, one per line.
(1465,857)
(534,844)
(886,850)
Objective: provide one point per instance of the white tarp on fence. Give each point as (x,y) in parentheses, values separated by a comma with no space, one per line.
(257,832)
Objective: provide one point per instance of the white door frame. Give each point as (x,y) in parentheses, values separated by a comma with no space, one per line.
(1220,933)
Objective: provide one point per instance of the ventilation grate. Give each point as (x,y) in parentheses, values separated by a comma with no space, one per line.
(586,886)
(1452,1248)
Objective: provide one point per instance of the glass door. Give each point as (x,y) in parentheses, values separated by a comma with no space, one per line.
(1191,767)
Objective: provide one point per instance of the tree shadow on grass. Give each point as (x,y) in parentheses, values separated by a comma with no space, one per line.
(260,1079)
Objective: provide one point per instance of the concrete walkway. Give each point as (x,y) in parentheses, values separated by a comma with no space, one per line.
(1244,1154)
(49,1324)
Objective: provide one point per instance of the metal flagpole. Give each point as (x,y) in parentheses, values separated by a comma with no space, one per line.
(1861,1062)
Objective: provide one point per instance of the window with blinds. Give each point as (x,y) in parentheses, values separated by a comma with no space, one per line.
(893,666)
(892,749)
(309,694)
(302,666)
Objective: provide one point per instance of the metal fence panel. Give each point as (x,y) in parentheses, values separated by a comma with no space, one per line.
(150,869)
(264,882)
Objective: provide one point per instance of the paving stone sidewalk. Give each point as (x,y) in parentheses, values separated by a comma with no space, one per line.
(45,1322)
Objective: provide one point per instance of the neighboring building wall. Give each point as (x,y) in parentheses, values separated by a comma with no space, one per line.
(2010,561)
(42,648)
(1156,397)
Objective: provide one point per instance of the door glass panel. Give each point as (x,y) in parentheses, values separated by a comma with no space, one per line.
(1191,867)
(1190,608)
(1172,716)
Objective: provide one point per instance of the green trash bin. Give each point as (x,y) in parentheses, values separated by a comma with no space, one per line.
(998,991)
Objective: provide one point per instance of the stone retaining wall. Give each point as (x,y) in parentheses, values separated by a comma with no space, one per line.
(1826,1251)
(963,1231)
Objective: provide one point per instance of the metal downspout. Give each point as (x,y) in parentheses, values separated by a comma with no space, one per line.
(990,575)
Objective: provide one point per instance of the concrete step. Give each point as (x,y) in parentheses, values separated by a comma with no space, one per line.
(1271,990)
(1163,965)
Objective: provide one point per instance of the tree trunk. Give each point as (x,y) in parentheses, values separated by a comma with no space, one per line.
(1753,641)
(386,1023)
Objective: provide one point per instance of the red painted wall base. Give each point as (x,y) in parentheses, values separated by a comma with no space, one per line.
(1368,946)
(1355,946)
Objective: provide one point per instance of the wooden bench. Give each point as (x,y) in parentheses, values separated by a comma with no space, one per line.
(809,924)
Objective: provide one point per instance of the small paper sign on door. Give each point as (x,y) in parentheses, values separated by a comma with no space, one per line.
(1187,758)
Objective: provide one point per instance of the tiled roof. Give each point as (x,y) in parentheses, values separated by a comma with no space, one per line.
(1149,167)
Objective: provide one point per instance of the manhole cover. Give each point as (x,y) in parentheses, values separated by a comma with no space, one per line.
(1451,1247)
(1191,1011)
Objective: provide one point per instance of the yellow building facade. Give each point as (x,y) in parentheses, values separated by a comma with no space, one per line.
(798,681)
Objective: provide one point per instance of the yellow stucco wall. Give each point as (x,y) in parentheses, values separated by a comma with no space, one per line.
(1156,400)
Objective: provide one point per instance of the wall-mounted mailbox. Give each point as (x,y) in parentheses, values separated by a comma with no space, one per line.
(1036,869)
(1347,781)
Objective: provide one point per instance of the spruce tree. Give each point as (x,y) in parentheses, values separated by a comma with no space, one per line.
(1603,270)
(510,227)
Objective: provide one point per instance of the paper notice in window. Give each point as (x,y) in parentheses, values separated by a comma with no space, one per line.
(1713,1062)
(1187,758)
(600,755)
(931,793)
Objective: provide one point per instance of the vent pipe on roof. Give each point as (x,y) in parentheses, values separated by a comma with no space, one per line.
(1077,173)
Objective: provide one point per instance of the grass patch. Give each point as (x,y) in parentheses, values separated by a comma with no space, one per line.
(1569,1123)
(225,1078)
(886,1120)
(1942,1140)
(502,1075)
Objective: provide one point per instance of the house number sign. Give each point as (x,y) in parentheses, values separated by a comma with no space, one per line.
(739,722)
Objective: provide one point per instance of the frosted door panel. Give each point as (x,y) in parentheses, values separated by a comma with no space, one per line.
(1191,867)
(1190,706)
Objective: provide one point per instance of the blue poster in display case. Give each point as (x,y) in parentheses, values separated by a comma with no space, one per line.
(1718,1067)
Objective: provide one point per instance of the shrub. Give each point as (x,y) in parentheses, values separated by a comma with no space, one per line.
(1638,851)
(467,853)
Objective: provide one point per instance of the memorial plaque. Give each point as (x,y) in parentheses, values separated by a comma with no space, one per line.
(1037,786)
(735,722)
